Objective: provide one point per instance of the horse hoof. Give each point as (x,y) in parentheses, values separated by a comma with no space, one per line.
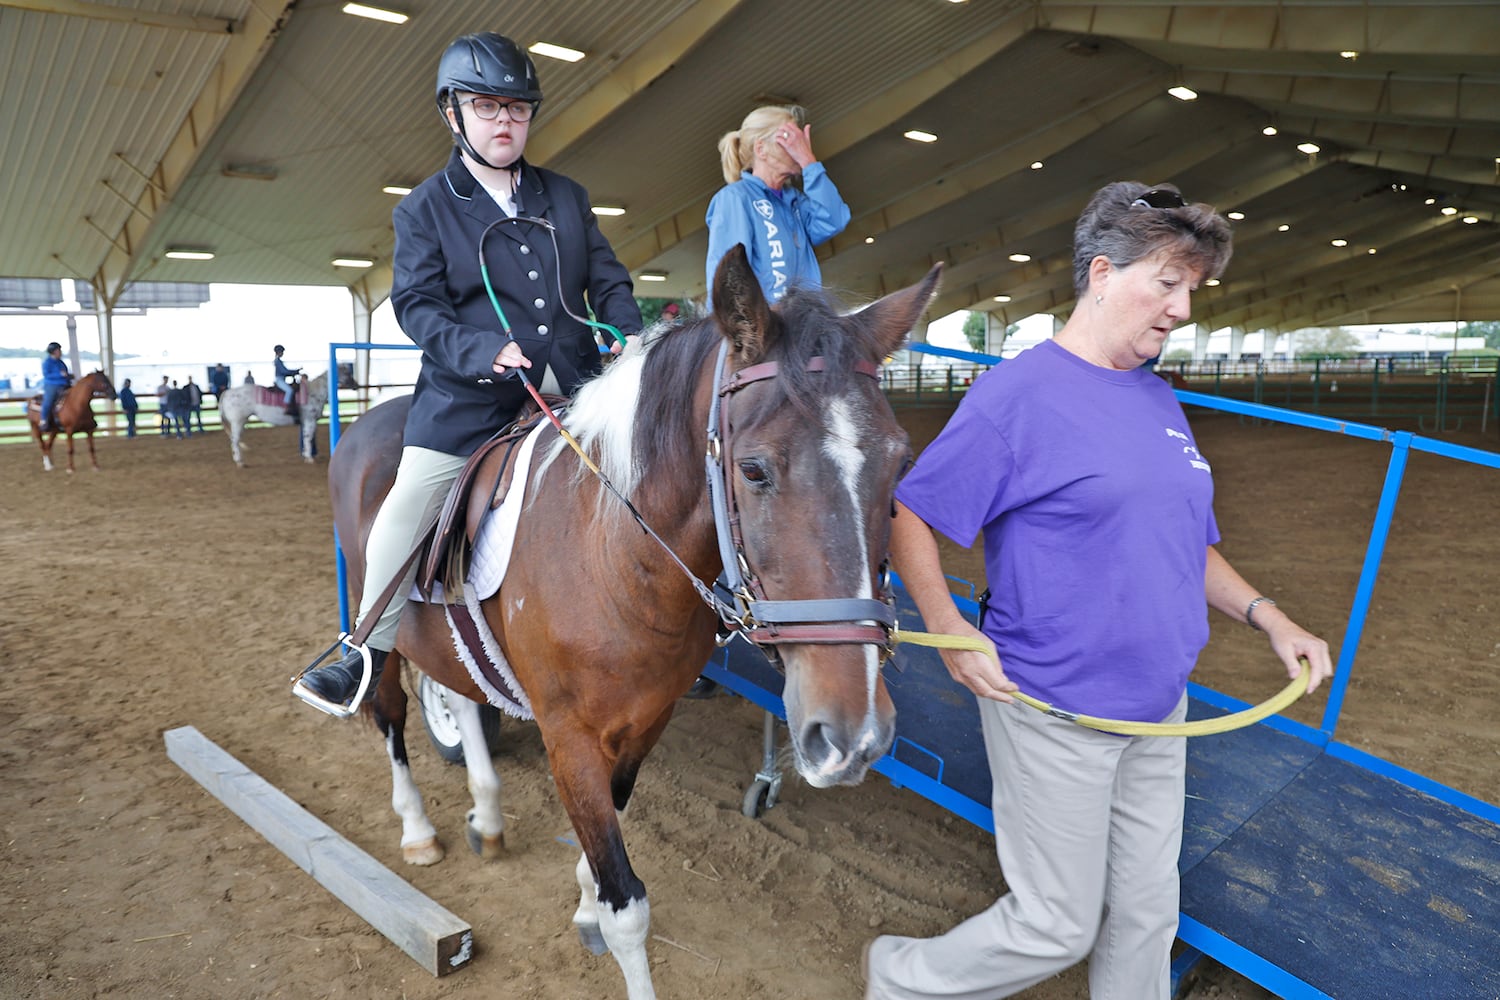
(428,852)
(592,939)
(488,848)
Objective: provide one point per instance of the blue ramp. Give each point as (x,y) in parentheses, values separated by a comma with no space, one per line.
(1309,867)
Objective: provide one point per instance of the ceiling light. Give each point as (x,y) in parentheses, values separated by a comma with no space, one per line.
(1237,216)
(1002,298)
(1371,250)
(1338,243)
(1268,130)
(653,275)
(1212,282)
(353,262)
(917,135)
(869,239)
(556,51)
(1309,148)
(1471,219)
(1036,164)
(376,13)
(1349,54)
(249,172)
(187,253)
(1183,93)
(1020,258)
(1283,228)
(1430,201)
(608,210)
(1449,210)
(400,189)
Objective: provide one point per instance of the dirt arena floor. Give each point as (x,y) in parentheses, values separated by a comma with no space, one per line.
(172,589)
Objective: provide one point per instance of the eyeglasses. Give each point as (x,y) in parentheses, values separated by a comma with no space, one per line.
(1159,198)
(488,109)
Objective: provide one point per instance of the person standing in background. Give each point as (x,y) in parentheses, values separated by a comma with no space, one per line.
(195,403)
(778,201)
(130,406)
(163,412)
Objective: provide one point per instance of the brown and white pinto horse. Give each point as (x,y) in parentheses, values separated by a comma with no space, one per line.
(75,415)
(604,631)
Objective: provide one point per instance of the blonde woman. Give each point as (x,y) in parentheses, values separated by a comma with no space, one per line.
(778,201)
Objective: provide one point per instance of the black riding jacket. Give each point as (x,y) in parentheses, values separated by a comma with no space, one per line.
(440,301)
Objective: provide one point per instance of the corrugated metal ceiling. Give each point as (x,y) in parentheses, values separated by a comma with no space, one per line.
(92,110)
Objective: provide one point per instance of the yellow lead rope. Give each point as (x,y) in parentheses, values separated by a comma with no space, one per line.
(1123,727)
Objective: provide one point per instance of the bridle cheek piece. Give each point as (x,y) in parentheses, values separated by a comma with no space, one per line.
(826,621)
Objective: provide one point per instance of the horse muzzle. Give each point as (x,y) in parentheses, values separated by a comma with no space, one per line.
(839,715)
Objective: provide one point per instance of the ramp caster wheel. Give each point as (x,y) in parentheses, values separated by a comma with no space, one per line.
(758,798)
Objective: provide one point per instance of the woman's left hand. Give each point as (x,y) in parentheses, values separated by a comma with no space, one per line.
(797,143)
(1291,641)
(616,348)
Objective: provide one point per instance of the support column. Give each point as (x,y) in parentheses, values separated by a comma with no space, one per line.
(363,310)
(1236,342)
(1200,342)
(1268,339)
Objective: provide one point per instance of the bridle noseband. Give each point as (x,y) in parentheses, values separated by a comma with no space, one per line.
(826,621)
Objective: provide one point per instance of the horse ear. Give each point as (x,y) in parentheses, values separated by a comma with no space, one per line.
(893,317)
(740,307)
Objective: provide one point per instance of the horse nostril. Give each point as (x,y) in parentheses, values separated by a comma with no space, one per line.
(819,741)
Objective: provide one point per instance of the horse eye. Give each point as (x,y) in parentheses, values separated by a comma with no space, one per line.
(755,472)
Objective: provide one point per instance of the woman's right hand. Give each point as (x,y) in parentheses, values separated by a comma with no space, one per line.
(510,356)
(979,672)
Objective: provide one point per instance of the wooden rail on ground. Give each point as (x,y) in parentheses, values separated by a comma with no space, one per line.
(439,941)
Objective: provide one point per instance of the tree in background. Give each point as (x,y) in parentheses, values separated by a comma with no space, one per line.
(1323,344)
(974,331)
(1488,329)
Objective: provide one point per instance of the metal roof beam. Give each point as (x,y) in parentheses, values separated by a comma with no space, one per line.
(1466,27)
(1303,296)
(1474,267)
(242,54)
(130,15)
(634,74)
(880,111)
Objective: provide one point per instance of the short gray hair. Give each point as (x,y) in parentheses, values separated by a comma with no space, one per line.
(1115,226)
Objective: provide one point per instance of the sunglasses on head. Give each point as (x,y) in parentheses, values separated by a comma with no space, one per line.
(1159,198)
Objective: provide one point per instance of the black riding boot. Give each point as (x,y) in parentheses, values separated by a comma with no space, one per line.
(337,682)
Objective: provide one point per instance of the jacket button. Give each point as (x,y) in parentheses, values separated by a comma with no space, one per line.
(525,248)
(542,329)
(533,275)
(540,303)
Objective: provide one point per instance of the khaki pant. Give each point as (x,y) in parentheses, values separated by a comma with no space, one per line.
(1088,829)
(412,506)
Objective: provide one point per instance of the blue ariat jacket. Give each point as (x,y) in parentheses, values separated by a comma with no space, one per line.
(779,229)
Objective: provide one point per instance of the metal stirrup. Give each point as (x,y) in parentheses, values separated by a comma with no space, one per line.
(323,704)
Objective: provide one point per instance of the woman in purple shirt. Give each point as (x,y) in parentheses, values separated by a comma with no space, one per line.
(1078,468)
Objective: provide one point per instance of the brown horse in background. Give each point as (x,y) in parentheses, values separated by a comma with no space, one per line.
(74,415)
(604,631)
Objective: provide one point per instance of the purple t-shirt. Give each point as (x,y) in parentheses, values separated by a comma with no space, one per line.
(1097,512)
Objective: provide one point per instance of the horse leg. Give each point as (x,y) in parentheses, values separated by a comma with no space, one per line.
(419,840)
(613,912)
(70,454)
(93,459)
(236,428)
(484,827)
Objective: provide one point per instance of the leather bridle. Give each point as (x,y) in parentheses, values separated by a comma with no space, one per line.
(825,621)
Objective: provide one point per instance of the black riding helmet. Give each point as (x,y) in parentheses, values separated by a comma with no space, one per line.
(484,63)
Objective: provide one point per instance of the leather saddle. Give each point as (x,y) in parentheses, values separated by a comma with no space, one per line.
(481,487)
